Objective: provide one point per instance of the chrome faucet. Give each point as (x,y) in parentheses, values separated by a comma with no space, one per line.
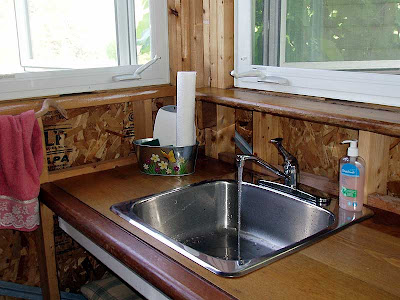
(290,167)
(290,174)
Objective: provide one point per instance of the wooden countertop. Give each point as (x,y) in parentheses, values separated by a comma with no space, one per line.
(359,262)
(362,116)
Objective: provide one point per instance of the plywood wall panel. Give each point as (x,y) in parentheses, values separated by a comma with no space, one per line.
(316,146)
(18,263)
(89,135)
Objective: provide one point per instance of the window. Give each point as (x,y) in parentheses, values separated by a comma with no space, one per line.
(338,49)
(57,47)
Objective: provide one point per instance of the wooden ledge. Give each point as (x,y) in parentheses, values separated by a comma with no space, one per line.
(373,118)
(13,107)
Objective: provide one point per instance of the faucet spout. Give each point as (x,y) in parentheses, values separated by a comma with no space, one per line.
(242,158)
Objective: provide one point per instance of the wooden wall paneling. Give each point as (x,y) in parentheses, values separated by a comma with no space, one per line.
(265,128)
(173,41)
(186,38)
(143,119)
(46,250)
(374,148)
(225,129)
(196,40)
(185,22)
(206,43)
(225,33)
(213,43)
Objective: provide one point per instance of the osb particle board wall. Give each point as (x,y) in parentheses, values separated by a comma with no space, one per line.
(316,146)
(89,135)
(94,134)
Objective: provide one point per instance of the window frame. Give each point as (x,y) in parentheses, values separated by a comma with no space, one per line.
(374,88)
(46,83)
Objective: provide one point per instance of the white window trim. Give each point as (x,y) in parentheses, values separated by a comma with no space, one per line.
(354,86)
(27,85)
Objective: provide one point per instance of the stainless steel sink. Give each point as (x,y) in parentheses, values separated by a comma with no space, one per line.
(200,221)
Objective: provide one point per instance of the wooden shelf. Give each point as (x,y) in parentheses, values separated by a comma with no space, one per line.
(360,116)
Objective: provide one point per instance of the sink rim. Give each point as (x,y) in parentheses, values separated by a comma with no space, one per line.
(236,268)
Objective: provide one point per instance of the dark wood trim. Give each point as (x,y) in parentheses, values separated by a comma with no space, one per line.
(169,276)
(373,118)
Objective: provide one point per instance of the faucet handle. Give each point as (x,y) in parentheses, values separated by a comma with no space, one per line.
(277,140)
(291,165)
(286,155)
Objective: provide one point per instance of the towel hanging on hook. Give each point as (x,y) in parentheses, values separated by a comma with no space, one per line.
(45,108)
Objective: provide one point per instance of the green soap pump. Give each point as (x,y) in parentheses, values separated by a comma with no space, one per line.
(351,179)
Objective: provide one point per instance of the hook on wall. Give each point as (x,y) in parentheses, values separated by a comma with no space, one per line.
(45,108)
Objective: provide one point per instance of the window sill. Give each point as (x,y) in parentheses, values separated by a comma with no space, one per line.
(368,117)
(13,107)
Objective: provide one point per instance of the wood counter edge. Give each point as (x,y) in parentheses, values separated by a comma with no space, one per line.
(169,276)
(217,96)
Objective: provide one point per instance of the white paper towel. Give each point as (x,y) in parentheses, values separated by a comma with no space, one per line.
(185,98)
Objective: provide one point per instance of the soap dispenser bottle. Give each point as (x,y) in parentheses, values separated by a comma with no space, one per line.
(351,179)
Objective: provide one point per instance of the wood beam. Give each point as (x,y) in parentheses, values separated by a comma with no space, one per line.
(374,149)
(265,128)
(143,119)
(47,257)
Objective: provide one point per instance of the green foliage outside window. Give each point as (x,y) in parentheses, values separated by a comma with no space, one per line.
(335,30)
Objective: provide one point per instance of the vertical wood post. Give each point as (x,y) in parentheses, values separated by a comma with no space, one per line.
(225,129)
(221,138)
(374,148)
(143,122)
(265,128)
(206,42)
(225,42)
(46,253)
(196,41)
(213,43)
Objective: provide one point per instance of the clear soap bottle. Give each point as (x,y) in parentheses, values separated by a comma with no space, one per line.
(351,179)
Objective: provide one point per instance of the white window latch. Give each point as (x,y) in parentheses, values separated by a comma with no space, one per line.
(261,77)
(136,75)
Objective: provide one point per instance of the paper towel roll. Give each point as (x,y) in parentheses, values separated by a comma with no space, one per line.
(185,116)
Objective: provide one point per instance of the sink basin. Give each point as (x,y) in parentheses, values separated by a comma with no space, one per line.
(200,221)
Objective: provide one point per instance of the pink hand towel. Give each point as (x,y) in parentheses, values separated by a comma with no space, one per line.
(21,163)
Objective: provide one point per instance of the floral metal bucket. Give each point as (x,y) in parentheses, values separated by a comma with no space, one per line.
(165,160)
